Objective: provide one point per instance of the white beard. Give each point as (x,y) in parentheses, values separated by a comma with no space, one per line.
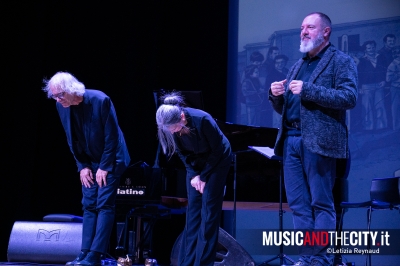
(311,44)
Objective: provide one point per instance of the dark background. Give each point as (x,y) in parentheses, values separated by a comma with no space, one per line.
(126,49)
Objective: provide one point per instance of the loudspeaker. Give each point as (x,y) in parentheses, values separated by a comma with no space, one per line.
(229,252)
(44,242)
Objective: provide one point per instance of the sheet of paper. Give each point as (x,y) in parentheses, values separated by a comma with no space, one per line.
(266,151)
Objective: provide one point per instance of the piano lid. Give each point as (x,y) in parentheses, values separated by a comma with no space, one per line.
(242,136)
(257,177)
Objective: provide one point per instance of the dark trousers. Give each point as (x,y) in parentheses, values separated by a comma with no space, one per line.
(98,214)
(309,180)
(200,236)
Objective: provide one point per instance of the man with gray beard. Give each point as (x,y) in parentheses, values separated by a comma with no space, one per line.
(312,101)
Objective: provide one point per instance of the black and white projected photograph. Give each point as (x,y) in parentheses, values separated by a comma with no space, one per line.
(267,46)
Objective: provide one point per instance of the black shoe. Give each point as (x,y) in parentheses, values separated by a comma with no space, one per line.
(92,259)
(80,257)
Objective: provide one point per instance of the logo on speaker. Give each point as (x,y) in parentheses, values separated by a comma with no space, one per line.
(48,234)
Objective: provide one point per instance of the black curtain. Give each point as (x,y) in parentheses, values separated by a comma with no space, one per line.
(127,50)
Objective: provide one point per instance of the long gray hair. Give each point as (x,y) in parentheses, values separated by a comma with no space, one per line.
(169,113)
(66,82)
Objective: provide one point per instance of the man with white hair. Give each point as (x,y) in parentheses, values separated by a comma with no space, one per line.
(312,101)
(98,146)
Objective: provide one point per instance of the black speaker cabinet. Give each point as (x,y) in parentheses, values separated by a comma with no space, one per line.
(44,242)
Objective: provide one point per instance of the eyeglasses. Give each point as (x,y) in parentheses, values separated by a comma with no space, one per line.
(58,95)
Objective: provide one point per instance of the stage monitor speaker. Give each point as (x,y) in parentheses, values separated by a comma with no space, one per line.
(44,242)
(229,252)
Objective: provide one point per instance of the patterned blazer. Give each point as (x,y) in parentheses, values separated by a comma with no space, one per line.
(325,97)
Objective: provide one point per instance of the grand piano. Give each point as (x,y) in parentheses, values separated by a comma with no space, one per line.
(257,177)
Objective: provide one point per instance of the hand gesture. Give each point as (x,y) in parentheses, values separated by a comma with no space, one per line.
(101,177)
(198,184)
(86,177)
(295,86)
(278,87)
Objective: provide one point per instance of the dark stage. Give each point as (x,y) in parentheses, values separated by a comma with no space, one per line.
(27,238)
(127,50)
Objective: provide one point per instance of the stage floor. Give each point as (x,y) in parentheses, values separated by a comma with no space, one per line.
(255,206)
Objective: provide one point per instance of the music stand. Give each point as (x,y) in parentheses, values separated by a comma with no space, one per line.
(234,161)
(269,153)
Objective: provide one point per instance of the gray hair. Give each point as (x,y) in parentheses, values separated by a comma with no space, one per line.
(66,82)
(167,114)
